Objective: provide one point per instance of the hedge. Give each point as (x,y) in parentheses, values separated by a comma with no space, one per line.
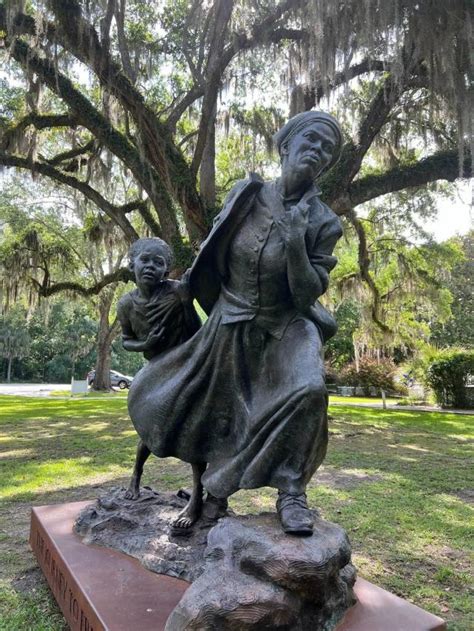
(447,375)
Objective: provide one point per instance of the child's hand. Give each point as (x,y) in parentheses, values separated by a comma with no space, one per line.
(184,288)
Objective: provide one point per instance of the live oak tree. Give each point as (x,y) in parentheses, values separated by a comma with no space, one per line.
(149,89)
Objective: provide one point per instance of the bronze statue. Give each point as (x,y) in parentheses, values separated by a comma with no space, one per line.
(155,317)
(246,392)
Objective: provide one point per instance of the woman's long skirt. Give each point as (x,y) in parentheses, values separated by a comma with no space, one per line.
(252,406)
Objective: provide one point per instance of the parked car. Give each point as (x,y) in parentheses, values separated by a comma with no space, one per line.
(116,379)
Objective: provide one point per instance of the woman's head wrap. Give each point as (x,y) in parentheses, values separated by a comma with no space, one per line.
(306,119)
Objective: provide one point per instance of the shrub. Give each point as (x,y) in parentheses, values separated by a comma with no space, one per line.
(332,375)
(380,375)
(447,375)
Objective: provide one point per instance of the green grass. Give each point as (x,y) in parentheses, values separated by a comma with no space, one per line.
(35,611)
(396,480)
(92,394)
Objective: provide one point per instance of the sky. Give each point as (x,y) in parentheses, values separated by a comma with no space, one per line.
(455,216)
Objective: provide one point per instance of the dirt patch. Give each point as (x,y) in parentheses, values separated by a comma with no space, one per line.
(368,430)
(466,495)
(340,435)
(28,581)
(344,480)
(442,554)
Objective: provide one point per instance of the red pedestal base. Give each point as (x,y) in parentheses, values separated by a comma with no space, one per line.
(99,589)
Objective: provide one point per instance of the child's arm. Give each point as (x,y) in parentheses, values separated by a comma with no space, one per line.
(175,313)
(183,288)
(129,340)
(192,321)
(139,346)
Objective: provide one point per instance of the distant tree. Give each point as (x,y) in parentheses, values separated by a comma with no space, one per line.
(448,376)
(14,340)
(459,329)
(124,361)
(369,374)
(395,274)
(80,337)
(46,251)
(63,341)
(340,349)
(61,335)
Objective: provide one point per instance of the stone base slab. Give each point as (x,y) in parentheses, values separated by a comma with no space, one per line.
(100,589)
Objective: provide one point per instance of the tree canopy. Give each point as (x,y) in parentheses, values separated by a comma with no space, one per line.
(141,114)
(147,86)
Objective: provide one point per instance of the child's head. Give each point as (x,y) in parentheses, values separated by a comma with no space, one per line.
(150,261)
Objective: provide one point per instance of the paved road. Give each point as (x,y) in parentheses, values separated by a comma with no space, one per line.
(32,389)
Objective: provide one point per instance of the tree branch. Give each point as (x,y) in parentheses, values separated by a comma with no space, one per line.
(338,180)
(172,172)
(443,165)
(122,41)
(313,94)
(143,209)
(136,204)
(88,116)
(377,115)
(39,121)
(106,23)
(123,274)
(265,31)
(373,122)
(70,154)
(364,266)
(262,33)
(186,101)
(213,73)
(152,166)
(114,212)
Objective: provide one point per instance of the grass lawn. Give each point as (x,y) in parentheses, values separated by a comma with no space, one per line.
(91,394)
(400,482)
(334,398)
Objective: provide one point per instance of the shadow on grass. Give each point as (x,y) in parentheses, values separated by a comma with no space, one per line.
(46,446)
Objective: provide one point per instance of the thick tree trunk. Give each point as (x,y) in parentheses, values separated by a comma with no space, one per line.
(105,337)
(102,367)
(208,166)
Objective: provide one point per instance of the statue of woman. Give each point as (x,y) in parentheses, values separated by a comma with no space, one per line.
(246,393)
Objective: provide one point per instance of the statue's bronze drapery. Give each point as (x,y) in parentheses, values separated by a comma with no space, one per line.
(246,392)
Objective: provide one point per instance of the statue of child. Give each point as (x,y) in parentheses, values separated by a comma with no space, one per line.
(155,317)
(159,313)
